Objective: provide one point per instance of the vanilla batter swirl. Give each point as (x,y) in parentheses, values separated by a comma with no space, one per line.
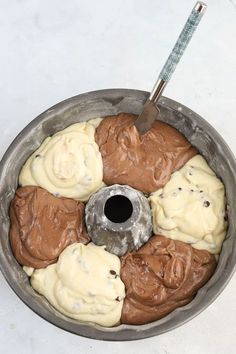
(84,284)
(191,207)
(67,164)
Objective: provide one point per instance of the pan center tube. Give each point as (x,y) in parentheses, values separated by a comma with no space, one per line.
(118,208)
(119,218)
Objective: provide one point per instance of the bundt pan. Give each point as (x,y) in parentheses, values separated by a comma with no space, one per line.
(101,104)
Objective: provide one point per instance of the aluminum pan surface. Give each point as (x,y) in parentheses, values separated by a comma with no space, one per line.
(100,104)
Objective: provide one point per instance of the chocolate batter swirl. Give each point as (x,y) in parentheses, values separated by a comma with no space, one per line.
(162,275)
(43,225)
(144,162)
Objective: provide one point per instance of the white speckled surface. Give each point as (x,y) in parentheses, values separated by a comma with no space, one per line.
(51,50)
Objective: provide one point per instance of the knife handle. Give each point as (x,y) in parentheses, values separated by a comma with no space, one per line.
(178,50)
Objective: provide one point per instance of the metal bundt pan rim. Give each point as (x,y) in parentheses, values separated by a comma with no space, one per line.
(113,101)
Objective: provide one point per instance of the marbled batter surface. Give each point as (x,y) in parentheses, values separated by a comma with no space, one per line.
(162,275)
(43,225)
(144,162)
(85,282)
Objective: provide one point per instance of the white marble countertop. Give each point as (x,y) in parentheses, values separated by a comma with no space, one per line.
(54,49)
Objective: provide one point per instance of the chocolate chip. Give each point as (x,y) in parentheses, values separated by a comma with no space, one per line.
(38,155)
(190,174)
(113,272)
(161,196)
(118,298)
(201,191)
(180,189)
(191,190)
(206,203)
